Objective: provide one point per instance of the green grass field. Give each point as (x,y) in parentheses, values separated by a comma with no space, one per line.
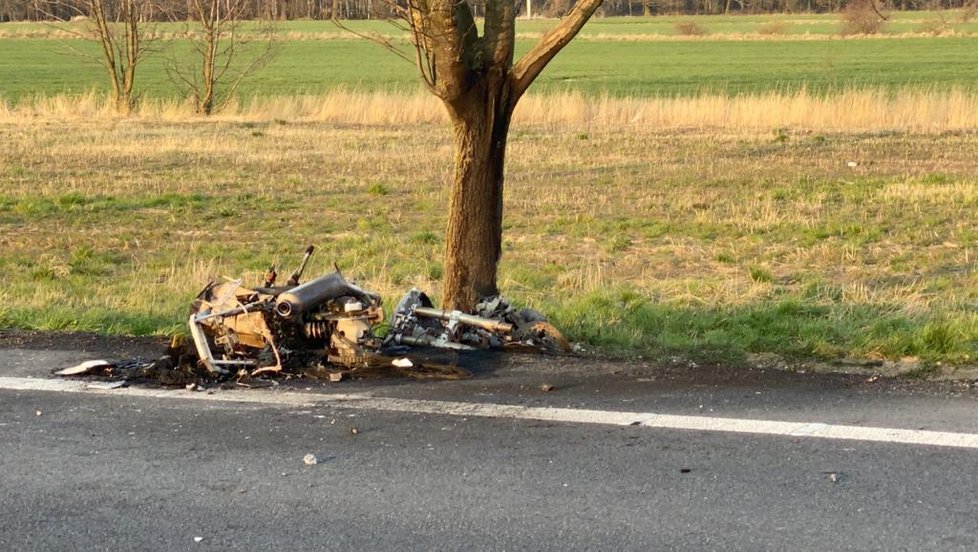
(46,66)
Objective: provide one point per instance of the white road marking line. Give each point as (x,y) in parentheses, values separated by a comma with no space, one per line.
(366,401)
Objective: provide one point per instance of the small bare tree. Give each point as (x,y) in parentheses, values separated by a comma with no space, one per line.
(968,10)
(224,53)
(117,25)
(863,17)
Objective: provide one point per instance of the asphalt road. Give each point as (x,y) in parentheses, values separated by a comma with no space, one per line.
(80,471)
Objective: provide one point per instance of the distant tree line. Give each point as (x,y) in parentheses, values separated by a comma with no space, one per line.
(163,10)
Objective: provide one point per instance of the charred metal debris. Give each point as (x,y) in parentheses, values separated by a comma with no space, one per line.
(332,323)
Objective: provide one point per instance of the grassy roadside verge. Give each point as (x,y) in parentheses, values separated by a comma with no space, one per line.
(714,244)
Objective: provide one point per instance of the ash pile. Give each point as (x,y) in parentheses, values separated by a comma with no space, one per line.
(334,325)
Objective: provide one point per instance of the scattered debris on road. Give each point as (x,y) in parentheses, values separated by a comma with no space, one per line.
(246,380)
(835,477)
(86,368)
(176,368)
(310,460)
(326,328)
(104,385)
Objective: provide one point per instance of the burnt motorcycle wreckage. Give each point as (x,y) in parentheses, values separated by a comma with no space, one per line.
(331,321)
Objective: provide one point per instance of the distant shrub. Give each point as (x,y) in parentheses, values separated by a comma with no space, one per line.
(862,17)
(969,11)
(935,27)
(690,28)
(774,28)
(378,189)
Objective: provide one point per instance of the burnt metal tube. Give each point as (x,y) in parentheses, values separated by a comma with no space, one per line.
(429,341)
(201,316)
(467,319)
(294,280)
(314,292)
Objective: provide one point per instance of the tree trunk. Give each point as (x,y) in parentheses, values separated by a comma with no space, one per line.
(475,207)
(212,34)
(132,56)
(480,85)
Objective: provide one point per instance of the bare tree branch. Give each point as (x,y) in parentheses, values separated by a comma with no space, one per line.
(376,38)
(223,59)
(532,63)
(119,31)
(500,33)
(418,56)
(876,10)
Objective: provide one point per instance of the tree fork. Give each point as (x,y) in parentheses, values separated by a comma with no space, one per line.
(479,84)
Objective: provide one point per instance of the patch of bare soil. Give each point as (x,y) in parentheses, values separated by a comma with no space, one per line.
(873,369)
(109,346)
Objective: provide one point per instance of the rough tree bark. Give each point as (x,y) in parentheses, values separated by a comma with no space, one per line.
(480,86)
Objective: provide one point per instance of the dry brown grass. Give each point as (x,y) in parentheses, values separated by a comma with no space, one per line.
(778,30)
(566,206)
(763,33)
(776,27)
(852,111)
